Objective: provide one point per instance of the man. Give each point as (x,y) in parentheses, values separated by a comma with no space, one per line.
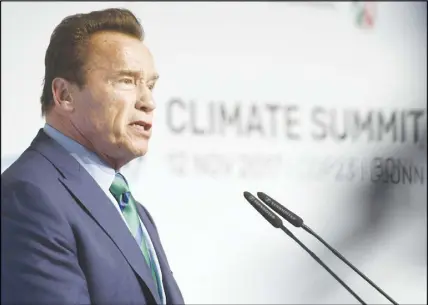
(72,233)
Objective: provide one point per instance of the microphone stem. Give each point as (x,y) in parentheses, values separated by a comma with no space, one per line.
(322,264)
(307,229)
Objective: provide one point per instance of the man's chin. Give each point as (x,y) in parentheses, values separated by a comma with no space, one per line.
(140,148)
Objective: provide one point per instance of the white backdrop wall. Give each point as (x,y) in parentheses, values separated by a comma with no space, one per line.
(321,109)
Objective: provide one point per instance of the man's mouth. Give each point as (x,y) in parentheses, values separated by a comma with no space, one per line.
(142,125)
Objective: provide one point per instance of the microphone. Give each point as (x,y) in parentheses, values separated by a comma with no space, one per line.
(298,222)
(275,221)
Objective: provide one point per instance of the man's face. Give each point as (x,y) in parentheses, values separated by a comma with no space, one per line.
(114,110)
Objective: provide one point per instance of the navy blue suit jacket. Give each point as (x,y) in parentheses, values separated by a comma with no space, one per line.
(63,242)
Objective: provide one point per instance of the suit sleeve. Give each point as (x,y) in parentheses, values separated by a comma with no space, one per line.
(39,263)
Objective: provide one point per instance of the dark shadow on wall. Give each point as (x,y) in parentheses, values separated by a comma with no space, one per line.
(377,206)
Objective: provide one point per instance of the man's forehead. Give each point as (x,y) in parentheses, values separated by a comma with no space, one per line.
(119,52)
(114,37)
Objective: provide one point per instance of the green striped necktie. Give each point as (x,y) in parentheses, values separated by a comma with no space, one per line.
(120,190)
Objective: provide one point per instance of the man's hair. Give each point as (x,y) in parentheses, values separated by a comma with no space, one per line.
(66,54)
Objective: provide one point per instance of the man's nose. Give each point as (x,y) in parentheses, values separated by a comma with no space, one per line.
(145,100)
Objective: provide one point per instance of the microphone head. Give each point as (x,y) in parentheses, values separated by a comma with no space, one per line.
(281,210)
(263,210)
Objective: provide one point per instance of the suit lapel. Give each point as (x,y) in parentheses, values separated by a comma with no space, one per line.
(85,190)
(172,292)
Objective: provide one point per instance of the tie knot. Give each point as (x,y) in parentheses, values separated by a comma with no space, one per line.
(120,189)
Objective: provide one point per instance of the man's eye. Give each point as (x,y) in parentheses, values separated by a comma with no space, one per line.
(127,80)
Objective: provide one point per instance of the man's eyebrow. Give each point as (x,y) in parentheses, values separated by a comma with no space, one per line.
(135,73)
(132,73)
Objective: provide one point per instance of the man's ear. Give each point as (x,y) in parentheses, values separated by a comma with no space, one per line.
(62,96)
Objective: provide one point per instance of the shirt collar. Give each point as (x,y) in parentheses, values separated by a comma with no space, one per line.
(97,168)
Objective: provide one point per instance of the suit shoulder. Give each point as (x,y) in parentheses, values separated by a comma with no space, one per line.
(29,195)
(30,181)
(31,167)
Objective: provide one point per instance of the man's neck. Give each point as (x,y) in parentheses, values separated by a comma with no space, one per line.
(67,128)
